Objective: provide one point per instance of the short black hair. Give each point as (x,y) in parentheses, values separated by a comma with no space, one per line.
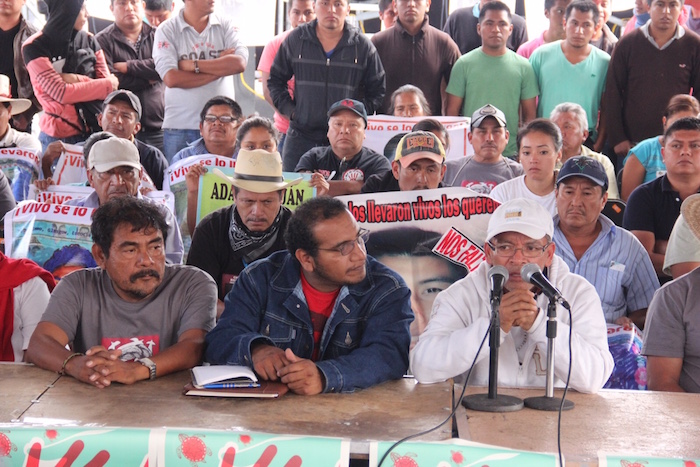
(155,5)
(92,139)
(256,122)
(299,234)
(584,6)
(221,100)
(434,126)
(494,6)
(409,241)
(541,125)
(138,213)
(682,124)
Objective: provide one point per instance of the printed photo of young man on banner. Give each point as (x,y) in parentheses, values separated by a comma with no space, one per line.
(432,238)
(384,132)
(21,167)
(55,236)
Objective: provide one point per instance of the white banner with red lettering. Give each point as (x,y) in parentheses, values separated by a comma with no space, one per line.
(382,128)
(70,167)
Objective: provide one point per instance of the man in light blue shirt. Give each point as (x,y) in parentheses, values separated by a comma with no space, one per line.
(609,257)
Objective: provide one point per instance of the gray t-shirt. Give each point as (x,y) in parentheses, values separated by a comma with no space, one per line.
(479,176)
(672,327)
(86,307)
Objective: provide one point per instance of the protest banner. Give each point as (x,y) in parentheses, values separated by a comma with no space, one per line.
(55,236)
(215,193)
(175,183)
(432,238)
(21,167)
(457,452)
(382,130)
(58,194)
(70,167)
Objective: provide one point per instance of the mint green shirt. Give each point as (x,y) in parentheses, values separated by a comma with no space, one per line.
(502,81)
(560,81)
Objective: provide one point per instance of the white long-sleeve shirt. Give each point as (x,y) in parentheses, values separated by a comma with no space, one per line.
(461,316)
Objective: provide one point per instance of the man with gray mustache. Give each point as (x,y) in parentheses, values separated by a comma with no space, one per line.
(132,318)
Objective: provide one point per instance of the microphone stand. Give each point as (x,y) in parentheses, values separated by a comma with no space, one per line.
(548,401)
(493,402)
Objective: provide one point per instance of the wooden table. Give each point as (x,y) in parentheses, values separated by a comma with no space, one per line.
(386,412)
(660,424)
(20,385)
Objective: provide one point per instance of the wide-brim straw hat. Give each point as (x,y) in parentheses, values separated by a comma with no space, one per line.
(691,213)
(258,171)
(18,105)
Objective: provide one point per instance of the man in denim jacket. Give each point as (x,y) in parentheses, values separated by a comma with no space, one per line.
(322,317)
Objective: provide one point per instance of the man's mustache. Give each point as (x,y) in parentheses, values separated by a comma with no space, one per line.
(144,273)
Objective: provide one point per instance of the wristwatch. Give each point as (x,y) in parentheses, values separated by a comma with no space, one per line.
(150,364)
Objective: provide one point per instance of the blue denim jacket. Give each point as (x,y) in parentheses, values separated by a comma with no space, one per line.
(366,338)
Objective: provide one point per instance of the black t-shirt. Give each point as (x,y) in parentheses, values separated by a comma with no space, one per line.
(381,183)
(211,249)
(362,165)
(153,161)
(7,66)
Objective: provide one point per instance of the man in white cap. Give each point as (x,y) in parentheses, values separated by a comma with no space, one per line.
(320,317)
(230,238)
(672,336)
(519,232)
(419,165)
(114,170)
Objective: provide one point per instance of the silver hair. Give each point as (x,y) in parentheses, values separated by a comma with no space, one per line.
(415,90)
(572,108)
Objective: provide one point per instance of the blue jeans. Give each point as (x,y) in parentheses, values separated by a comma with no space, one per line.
(175,140)
(295,146)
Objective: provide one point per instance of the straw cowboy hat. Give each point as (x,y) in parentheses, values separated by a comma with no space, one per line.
(18,105)
(258,171)
(691,213)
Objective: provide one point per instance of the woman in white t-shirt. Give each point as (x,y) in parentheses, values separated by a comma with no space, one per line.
(539,148)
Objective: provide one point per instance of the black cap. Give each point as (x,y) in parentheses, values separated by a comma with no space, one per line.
(582,166)
(349,104)
(126,96)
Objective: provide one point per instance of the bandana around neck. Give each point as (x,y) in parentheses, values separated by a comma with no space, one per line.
(252,244)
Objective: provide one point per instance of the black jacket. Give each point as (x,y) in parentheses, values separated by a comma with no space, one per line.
(141,77)
(353,70)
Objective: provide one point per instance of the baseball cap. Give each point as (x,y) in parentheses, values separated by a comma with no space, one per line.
(521,215)
(582,166)
(349,104)
(487,111)
(113,152)
(419,145)
(126,96)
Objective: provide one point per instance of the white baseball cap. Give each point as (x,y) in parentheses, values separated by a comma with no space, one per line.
(113,152)
(521,215)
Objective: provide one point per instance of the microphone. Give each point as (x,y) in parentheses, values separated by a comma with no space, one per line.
(532,274)
(498,276)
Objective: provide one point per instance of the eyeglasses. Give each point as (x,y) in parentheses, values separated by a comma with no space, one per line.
(507,250)
(225,119)
(129,174)
(346,248)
